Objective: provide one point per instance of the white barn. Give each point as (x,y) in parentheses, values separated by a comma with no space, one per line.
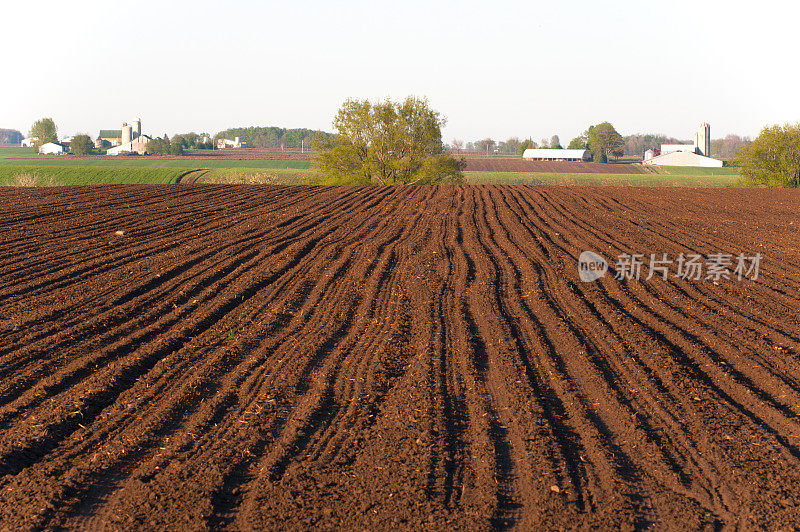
(28,142)
(697,154)
(683,158)
(51,148)
(544,154)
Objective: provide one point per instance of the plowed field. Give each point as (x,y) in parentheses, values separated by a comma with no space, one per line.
(375,358)
(508,164)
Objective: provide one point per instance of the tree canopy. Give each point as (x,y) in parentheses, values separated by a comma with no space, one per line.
(45,131)
(578,143)
(81,144)
(194,141)
(485,145)
(773,158)
(272,138)
(604,142)
(386,143)
(527,144)
(10,136)
(165,146)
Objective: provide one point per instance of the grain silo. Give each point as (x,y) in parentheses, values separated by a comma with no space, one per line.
(703,140)
(137,128)
(127,132)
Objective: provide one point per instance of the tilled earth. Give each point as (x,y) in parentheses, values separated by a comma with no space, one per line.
(188,357)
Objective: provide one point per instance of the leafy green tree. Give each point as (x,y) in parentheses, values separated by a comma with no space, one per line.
(156,146)
(773,158)
(177,145)
(527,144)
(163,146)
(386,143)
(45,131)
(81,144)
(578,143)
(604,142)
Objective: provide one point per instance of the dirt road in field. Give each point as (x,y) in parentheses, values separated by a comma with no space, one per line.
(287,357)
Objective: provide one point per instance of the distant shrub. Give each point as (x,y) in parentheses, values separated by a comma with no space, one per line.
(81,144)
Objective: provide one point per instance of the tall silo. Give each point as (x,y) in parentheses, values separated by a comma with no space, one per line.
(127,132)
(137,128)
(703,140)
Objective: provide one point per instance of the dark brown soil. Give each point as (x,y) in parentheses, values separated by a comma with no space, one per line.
(412,358)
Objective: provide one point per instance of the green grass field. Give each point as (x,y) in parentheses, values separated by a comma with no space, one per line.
(693,170)
(18,175)
(44,170)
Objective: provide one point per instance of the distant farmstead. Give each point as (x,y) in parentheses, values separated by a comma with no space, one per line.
(131,140)
(544,154)
(137,146)
(697,154)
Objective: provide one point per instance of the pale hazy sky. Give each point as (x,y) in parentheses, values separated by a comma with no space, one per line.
(514,68)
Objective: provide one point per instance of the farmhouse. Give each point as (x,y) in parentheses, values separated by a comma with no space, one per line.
(557,155)
(28,142)
(697,154)
(51,148)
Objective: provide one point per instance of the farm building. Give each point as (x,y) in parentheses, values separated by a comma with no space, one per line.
(137,145)
(28,142)
(649,154)
(115,137)
(227,143)
(672,148)
(51,148)
(684,158)
(108,137)
(697,154)
(557,155)
(128,139)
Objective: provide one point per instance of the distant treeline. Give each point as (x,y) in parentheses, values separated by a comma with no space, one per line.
(272,137)
(10,136)
(634,145)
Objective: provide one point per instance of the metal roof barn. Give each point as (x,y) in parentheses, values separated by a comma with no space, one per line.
(684,158)
(543,154)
